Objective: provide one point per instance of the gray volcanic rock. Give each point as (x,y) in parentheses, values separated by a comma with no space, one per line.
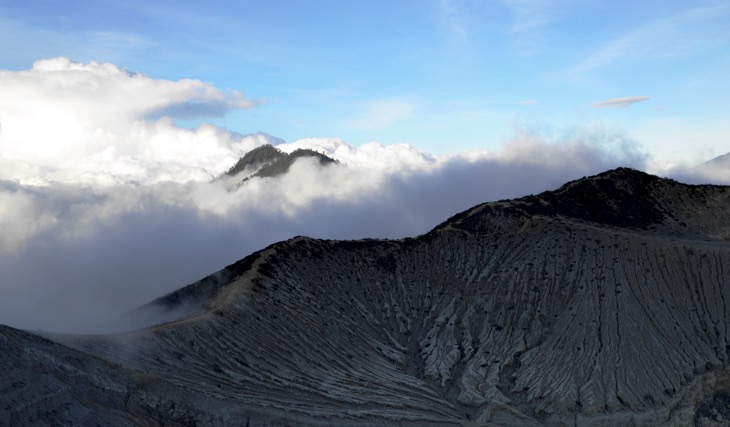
(45,383)
(604,302)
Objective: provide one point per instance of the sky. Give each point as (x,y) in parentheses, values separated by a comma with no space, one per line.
(117,120)
(442,75)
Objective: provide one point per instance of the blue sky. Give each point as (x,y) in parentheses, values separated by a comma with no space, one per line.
(442,75)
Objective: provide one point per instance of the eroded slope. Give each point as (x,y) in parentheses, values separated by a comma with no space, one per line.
(604,302)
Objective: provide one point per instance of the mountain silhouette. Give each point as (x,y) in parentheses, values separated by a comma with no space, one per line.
(268,161)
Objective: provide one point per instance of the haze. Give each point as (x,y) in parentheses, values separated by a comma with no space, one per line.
(116,120)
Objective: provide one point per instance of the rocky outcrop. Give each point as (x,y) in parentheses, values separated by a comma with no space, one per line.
(256,159)
(268,161)
(604,302)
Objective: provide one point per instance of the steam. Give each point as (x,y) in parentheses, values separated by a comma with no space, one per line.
(105,204)
(77,253)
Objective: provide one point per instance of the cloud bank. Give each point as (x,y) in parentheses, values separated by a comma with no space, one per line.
(105,204)
(620,102)
(100,124)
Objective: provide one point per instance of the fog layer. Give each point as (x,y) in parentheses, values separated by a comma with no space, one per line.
(106,204)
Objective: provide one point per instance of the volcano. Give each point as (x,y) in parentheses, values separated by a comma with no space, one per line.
(604,302)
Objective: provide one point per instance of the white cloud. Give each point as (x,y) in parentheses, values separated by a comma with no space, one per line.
(78,253)
(103,207)
(83,122)
(373,156)
(622,102)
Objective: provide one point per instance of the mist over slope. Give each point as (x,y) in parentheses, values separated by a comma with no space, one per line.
(106,249)
(602,302)
(268,161)
(102,186)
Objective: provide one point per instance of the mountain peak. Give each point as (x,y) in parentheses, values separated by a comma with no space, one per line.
(256,158)
(719,161)
(269,161)
(622,197)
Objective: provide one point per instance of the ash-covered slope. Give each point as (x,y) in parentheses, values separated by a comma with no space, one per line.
(604,302)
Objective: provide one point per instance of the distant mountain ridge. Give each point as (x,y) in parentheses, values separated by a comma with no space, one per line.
(604,302)
(624,198)
(268,161)
(719,161)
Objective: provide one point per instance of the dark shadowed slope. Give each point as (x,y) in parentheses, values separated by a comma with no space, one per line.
(282,165)
(256,159)
(268,161)
(604,302)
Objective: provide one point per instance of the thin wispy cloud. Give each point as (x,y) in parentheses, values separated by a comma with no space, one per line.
(622,102)
(454,19)
(687,33)
(529,14)
(24,42)
(382,113)
(532,20)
